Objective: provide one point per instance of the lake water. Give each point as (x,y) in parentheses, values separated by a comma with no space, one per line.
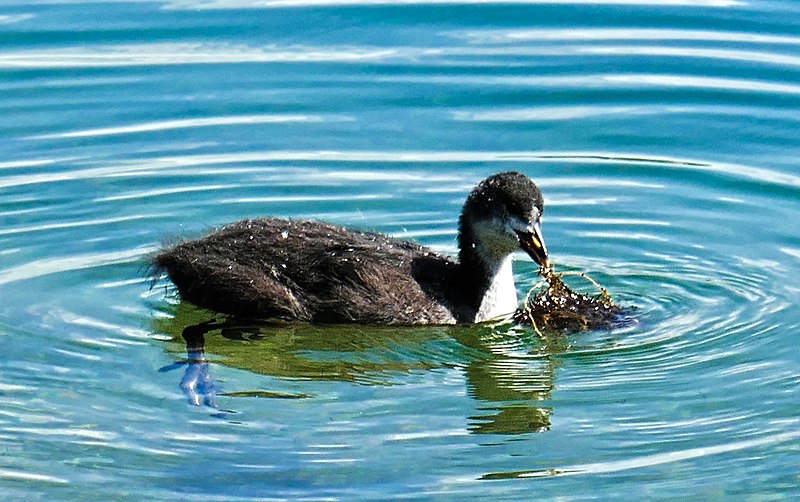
(663,134)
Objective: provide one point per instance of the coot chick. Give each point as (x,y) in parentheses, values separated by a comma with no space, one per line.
(272,268)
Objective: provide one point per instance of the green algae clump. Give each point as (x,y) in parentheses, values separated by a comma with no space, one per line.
(554,306)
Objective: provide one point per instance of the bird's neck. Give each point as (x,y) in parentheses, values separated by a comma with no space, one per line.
(490,278)
(500,295)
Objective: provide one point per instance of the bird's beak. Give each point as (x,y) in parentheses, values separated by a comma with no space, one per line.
(532,242)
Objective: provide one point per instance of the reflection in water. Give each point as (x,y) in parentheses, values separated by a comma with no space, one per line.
(505,370)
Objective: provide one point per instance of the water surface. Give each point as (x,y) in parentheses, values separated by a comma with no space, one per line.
(663,135)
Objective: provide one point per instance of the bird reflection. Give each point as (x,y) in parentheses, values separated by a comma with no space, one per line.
(509,373)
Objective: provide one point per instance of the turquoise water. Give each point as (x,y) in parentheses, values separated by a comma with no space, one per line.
(665,139)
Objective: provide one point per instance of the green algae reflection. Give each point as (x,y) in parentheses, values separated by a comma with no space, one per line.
(505,370)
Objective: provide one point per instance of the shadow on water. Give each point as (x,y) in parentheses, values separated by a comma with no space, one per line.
(508,370)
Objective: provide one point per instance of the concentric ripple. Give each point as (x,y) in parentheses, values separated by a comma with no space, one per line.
(663,135)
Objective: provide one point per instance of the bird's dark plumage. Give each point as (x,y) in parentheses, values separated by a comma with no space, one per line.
(315,272)
(312,272)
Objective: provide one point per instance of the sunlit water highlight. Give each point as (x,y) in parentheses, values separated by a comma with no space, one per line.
(663,135)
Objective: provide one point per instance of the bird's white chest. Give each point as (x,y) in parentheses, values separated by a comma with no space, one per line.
(501,297)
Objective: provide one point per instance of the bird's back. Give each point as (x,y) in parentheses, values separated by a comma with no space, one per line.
(315,272)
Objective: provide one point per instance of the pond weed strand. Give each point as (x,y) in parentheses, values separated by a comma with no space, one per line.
(554,306)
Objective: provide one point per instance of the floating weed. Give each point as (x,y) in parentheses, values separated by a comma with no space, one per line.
(551,305)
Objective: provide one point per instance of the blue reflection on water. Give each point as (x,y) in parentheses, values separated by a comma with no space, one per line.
(663,136)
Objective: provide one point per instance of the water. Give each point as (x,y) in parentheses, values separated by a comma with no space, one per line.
(664,137)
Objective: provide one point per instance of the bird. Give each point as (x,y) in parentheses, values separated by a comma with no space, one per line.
(313,272)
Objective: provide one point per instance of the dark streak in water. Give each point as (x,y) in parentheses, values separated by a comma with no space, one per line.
(643,160)
(541,473)
(266,394)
